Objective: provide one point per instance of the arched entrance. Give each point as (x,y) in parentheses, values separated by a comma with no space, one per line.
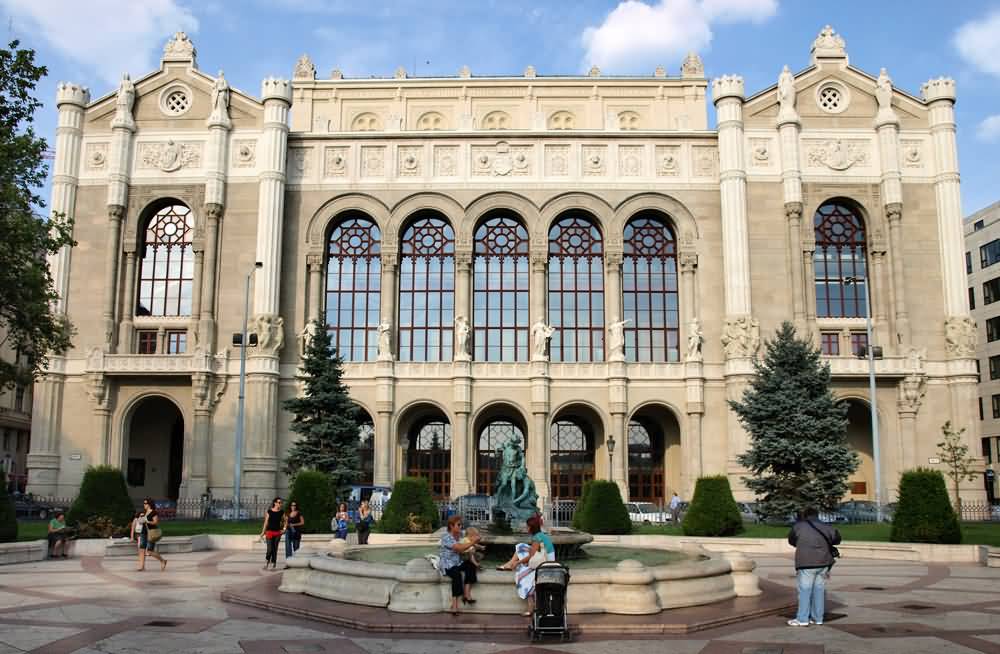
(366,449)
(654,455)
(491,433)
(576,435)
(154,454)
(428,454)
(861,484)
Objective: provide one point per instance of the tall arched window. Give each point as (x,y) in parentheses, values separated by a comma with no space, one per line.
(576,289)
(571,450)
(353,282)
(645,463)
(429,455)
(366,452)
(500,302)
(649,290)
(166,278)
(840,253)
(492,436)
(427,290)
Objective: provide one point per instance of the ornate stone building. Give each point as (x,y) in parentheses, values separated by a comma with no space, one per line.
(569,260)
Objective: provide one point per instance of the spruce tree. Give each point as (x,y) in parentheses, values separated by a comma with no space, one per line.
(798,455)
(325,417)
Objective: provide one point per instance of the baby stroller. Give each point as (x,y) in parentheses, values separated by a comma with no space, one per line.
(549,617)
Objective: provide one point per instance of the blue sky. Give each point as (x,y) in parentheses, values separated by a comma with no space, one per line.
(92,41)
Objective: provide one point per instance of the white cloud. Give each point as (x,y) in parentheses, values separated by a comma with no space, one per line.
(637,36)
(107,37)
(978,42)
(989,129)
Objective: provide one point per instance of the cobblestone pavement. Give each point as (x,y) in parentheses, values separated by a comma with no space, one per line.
(92,605)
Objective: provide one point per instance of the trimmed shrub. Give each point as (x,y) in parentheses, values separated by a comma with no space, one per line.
(8,515)
(411,508)
(312,490)
(102,494)
(580,503)
(713,511)
(924,513)
(604,511)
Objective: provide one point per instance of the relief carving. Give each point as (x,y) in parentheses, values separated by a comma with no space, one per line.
(760,152)
(299,161)
(409,161)
(270,330)
(706,161)
(445,161)
(96,156)
(244,153)
(557,160)
(594,160)
(502,160)
(630,160)
(170,156)
(668,163)
(911,392)
(741,337)
(837,154)
(335,162)
(373,161)
(911,154)
(960,337)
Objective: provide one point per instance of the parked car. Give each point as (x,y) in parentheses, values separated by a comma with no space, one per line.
(864,511)
(646,513)
(748,511)
(27,507)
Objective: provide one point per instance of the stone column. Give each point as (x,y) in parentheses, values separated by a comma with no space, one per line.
(206,318)
(688,262)
(879,299)
(694,379)
(43,459)
(119,165)
(538,287)
(911,393)
(612,291)
(198,450)
(112,247)
(462,405)
(387,298)
(894,215)
(789,128)
(127,328)
(808,275)
(316,287)
(891,187)
(216,156)
(97,389)
(539,468)
(385,440)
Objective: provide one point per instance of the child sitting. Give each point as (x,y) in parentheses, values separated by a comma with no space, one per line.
(474,554)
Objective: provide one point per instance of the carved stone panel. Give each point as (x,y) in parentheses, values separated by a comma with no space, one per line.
(410,160)
(836,154)
(169,156)
(335,162)
(446,160)
(761,153)
(96,156)
(373,161)
(594,160)
(556,160)
(630,160)
(501,160)
(705,161)
(244,153)
(668,160)
(299,162)
(911,154)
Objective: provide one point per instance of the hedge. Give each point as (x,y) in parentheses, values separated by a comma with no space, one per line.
(102,494)
(602,510)
(924,513)
(713,511)
(411,508)
(312,490)
(8,514)
(580,503)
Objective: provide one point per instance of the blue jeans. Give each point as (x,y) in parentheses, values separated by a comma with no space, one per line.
(812,588)
(293,538)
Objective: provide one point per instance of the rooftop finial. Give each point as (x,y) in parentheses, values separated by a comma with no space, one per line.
(304,68)
(828,45)
(692,66)
(179,48)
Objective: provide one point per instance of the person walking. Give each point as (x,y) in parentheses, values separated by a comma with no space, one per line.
(272,530)
(675,508)
(150,535)
(365,521)
(294,521)
(135,533)
(814,556)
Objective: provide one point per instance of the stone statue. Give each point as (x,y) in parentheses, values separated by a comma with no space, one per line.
(541,332)
(462,332)
(179,47)
(220,98)
(126,95)
(306,336)
(385,341)
(883,95)
(270,331)
(695,338)
(915,360)
(741,337)
(960,336)
(515,494)
(692,66)
(828,44)
(616,339)
(786,96)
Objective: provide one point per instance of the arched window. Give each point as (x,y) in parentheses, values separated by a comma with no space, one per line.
(429,455)
(500,300)
(430,121)
(562,120)
(366,452)
(649,290)
(840,254)
(427,290)
(645,463)
(492,436)
(576,289)
(166,277)
(497,120)
(353,283)
(628,121)
(571,450)
(366,122)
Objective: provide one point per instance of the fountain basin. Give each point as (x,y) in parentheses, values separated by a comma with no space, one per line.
(627,588)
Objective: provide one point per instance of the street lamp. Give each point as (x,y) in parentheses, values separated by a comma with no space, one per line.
(611,455)
(241,404)
(870,353)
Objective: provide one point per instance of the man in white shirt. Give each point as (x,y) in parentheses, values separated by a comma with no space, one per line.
(675,508)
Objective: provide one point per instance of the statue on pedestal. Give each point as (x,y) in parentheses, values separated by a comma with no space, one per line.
(515,494)
(462,331)
(541,332)
(616,339)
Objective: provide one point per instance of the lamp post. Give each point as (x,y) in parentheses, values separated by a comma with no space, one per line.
(241,404)
(873,409)
(611,456)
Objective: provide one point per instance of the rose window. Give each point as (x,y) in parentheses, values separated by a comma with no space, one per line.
(830,98)
(177,102)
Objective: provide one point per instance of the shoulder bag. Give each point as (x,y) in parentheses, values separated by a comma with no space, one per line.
(834,552)
(153,534)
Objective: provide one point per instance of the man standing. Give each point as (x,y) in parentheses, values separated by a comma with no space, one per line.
(814,556)
(675,508)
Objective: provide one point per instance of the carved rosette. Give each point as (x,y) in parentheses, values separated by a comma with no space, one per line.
(960,337)
(741,337)
(270,330)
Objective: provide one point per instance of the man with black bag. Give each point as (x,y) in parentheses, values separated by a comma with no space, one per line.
(815,554)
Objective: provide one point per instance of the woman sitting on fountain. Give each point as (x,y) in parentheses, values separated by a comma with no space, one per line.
(528,557)
(451,562)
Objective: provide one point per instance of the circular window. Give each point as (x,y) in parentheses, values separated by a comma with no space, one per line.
(832,97)
(175,100)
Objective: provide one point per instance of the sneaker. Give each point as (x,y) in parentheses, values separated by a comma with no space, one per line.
(795,623)
(820,623)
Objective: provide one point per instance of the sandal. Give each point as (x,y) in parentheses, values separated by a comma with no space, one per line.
(468,600)
(163,565)
(526,614)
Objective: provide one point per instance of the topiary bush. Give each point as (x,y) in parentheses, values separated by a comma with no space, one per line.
(8,515)
(580,503)
(312,490)
(604,511)
(713,511)
(102,494)
(411,508)
(924,513)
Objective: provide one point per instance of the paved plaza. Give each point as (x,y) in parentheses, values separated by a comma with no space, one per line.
(91,605)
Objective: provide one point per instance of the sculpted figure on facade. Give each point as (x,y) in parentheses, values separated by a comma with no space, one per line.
(304,68)
(911,392)
(270,329)
(828,44)
(883,95)
(179,47)
(220,100)
(124,101)
(385,341)
(960,336)
(915,360)
(616,339)
(741,337)
(695,338)
(462,333)
(786,97)
(306,336)
(541,333)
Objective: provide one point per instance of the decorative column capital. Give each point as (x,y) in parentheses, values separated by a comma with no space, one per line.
(463,261)
(116,212)
(894,212)
(314,262)
(97,390)
(688,261)
(214,211)
(793,211)
(911,393)
(389,259)
(727,86)
(539,261)
(613,261)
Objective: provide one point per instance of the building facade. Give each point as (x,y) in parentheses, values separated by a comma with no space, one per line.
(15,423)
(982,252)
(571,261)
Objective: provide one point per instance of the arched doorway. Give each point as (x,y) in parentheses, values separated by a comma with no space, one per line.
(491,435)
(654,455)
(366,449)
(155,450)
(571,451)
(861,484)
(428,454)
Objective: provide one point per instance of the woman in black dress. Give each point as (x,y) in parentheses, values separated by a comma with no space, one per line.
(272,530)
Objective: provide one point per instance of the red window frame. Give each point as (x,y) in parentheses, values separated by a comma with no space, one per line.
(830,343)
(146,341)
(649,290)
(858,341)
(427,290)
(353,287)
(840,253)
(576,289)
(645,463)
(176,342)
(429,455)
(501,279)
(166,273)
(571,451)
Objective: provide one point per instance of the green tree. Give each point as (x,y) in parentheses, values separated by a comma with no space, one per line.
(955,457)
(325,417)
(27,291)
(312,491)
(798,455)
(411,508)
(713,510)
(103,494)
(603,512)
(924,514)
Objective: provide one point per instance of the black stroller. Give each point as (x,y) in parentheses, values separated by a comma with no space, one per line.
(549,617)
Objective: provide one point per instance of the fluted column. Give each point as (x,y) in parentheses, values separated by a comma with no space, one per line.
(901,319)
(206,321)
(537,289)
(126,329)
(112,248)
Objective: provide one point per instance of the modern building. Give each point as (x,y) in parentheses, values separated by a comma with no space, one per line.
(573,261)
(982,253)
(15,423)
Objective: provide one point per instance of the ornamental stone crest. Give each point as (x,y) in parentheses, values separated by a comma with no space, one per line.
(828,44)
(170,156)
(304,68)
(741,337)
(179,48)
(838,154)
(911,392)
(502,161)
(960,337)
(692,66)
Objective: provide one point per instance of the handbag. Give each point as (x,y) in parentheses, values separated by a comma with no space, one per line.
(537,559)
(834,552)
(154,534)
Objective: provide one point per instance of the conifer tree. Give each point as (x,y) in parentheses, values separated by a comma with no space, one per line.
(798,455)
(325,417)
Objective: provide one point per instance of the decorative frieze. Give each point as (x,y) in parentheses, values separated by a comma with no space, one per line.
(705,161)
(373,161)
(501,160)
(556,160)
(594,160)
(837,154)
(630,160)
(446,160)
(335,162)
(410,161)
(668,160)
(169,156)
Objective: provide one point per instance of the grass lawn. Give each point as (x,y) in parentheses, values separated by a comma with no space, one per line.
(973,533)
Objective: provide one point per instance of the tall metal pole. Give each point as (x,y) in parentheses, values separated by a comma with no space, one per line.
(873,409)
(241,404)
